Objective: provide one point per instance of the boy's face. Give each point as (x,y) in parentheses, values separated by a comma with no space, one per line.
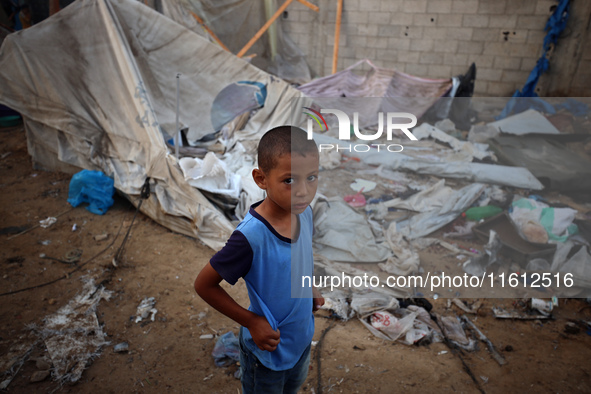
(291,184)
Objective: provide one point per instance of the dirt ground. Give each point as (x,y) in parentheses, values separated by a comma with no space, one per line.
(167,355)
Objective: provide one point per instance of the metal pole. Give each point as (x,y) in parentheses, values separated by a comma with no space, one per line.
(177,134)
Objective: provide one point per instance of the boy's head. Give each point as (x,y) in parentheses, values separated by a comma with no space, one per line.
(283,140)
(288,168)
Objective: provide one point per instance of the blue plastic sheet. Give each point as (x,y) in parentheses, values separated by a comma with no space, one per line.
(226,350)
(94,188)
(555,25)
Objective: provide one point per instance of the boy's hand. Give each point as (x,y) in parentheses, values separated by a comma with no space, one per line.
(317,299)
(262,333)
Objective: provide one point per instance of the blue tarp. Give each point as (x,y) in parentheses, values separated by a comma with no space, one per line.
(555,25)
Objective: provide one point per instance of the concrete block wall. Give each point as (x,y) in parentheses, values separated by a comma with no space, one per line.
(436,38)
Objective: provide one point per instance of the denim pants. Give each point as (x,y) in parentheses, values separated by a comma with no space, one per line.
(256,378)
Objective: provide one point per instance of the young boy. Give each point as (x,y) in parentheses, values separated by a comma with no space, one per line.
(270,246)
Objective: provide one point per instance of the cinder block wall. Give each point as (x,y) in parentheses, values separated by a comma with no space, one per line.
(441,38)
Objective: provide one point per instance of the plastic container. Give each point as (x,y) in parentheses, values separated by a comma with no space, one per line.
(477,213)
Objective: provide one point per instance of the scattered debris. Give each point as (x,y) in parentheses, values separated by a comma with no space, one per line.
(121,347)
(101,237)
(501,313)
(355,200)
(473,309)
(12,360)
(45,223)
(454,332)
(226,350)
(146,308)
(362,184)
(73,335)
(544,307)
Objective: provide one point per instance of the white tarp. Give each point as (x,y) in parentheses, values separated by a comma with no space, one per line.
(526,122)
(474,149)
(342,234)
(476,172)
(96,85)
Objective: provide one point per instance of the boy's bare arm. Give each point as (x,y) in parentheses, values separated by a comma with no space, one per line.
(317,299)
(207,285)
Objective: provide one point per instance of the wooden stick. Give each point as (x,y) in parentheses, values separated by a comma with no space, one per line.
(493,351)
(54,6)
(263,29)
(309,5)
(207,29)
(337,34)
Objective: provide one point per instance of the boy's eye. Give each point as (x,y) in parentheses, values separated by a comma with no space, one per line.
(312,178)
(288,181)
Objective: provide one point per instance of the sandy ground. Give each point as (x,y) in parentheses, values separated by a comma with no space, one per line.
(168,354)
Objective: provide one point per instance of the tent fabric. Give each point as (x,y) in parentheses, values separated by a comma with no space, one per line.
(96,85)
(235,22)
(402,92)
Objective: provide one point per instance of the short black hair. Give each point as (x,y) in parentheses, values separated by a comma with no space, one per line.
(280,141)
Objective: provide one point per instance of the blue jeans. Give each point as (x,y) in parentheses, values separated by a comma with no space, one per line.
(258,379)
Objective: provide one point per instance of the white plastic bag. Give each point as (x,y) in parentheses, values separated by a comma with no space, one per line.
(210,174)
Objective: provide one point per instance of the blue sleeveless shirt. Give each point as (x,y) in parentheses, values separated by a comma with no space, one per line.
(273,267)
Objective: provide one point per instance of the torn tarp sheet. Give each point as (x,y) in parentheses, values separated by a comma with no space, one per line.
(474,149)
(342,234)
(96,85)
(476,172)
(405,93)
(530,121)
(426,222)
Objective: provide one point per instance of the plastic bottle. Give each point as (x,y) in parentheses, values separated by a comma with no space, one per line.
(477,213)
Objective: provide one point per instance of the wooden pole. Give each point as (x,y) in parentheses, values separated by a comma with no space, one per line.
(54,6)
(309,5)
(263,29)
(337,34)
(207,29)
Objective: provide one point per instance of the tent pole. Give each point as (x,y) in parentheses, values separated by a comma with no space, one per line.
(337,34)
(263,29)
(208,30)
(309,5)
(177,136)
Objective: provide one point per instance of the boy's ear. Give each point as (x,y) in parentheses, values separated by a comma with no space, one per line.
(259,178)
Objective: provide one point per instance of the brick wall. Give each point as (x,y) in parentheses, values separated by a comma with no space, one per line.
(441,38)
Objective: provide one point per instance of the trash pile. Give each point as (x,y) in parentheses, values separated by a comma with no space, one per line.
(72,336)
(512,221)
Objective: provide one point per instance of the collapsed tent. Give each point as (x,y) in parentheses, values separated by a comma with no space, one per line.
(95,84)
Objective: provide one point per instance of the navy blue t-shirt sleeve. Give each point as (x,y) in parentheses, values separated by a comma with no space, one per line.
(234,260)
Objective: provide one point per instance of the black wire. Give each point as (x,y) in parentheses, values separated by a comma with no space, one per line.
(145,193)
(318,352)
